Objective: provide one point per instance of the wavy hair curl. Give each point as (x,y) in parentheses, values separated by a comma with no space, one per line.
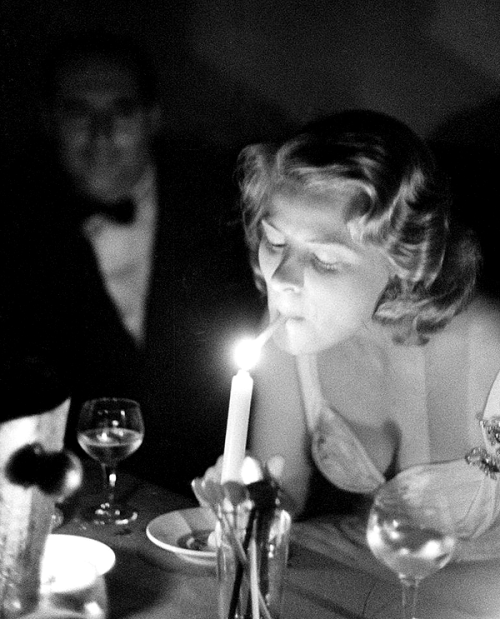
(404,211)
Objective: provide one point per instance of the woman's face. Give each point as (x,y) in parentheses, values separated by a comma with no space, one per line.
(322,281)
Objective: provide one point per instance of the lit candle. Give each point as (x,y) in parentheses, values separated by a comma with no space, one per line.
(238,414)
(240,401)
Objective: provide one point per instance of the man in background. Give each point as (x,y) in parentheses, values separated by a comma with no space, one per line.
(128,270)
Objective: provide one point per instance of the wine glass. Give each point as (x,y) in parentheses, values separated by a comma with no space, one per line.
(412,533)
(109,430)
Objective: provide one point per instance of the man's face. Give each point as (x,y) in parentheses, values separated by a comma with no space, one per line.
(103,128)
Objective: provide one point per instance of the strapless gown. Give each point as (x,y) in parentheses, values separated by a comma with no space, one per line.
(473,492)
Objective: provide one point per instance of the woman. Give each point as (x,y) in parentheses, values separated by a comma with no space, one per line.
(386,356)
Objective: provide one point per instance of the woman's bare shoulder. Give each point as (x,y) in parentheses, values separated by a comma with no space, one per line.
(484,316)
(472,340)
(483,333)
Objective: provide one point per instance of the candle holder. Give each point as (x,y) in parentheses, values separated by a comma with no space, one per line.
(252,536)
(252,555)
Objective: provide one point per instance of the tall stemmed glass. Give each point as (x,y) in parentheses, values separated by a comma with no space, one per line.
(109,430)
(411,533)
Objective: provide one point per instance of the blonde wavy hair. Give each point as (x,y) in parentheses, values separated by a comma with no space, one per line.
(404,211)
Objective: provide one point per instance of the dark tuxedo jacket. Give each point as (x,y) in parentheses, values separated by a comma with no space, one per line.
(202,299)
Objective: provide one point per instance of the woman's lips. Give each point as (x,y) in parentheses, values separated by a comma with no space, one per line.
(292,317)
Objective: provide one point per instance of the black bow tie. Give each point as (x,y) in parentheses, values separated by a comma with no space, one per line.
(121,212)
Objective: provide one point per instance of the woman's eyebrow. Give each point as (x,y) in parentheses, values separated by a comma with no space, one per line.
(330,242)
(266,224)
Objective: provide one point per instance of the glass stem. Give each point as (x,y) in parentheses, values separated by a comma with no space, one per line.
(409,599)
(109,474)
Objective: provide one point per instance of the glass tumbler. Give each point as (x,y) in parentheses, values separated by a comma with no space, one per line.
(25,510)
(252,555)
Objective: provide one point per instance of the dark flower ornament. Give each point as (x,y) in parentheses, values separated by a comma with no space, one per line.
(491,429)
(488,463)
(488,460)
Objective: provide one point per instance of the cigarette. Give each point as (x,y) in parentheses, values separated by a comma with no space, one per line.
(261,339)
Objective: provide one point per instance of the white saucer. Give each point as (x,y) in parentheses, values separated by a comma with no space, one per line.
(185,533)
(62,551)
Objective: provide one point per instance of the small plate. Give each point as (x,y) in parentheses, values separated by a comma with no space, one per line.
(185,533)
(62,550)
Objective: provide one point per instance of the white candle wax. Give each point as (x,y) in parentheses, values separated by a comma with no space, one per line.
(240,400)
(237,426)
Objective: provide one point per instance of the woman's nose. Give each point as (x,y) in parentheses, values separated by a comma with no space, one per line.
(289,274)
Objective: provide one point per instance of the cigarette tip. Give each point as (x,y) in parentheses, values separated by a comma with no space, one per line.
(268,332)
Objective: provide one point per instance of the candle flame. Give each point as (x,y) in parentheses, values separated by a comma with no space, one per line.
(247,354)
(248,350)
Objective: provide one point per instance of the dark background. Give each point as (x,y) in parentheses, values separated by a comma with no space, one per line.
(236,71)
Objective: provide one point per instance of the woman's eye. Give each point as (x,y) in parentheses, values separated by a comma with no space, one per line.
(272,246)
(272,239)
(323,265)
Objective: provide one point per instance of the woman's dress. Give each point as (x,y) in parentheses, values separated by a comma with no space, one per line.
(473,492)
